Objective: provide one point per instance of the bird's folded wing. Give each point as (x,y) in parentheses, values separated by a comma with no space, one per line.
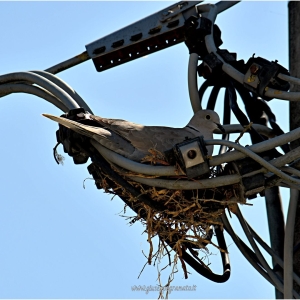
(143,137)
(105,137)
(120,126)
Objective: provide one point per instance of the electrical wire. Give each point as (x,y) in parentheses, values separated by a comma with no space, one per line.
(245,250)
(171,171)
(60,83)
(274,277)
(142,168)
(213,97)
(135,166)
(290,170)
(251,256)
(192,82)
(234,73)
(43,82)
(9,88)
(255,157)
(277,259)
(282,95)
(57,92)
(259,147)
(288,78)
(188,185)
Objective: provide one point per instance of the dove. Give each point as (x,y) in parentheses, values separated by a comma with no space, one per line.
(133,141)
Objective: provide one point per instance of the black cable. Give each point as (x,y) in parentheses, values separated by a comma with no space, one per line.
(202,89)
(245,250)
(241,117)
(213,97)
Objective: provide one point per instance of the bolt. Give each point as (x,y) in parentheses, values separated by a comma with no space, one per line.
(191,154)
(254,69)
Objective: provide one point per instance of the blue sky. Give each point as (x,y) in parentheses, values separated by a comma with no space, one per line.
(61,240)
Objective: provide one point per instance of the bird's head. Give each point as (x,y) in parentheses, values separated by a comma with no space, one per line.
(207,119)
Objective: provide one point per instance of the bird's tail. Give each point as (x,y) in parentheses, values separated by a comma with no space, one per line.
(86,130)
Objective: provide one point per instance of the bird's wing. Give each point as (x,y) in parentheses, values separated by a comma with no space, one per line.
(155,137)
(143,137)
(119,126)
(107,138)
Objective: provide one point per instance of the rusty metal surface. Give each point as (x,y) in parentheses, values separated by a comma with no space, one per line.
(151,34)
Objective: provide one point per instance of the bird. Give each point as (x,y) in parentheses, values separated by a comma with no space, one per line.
(134,141)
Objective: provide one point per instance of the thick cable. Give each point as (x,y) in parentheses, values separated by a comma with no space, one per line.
(8,88)
(259,147)
(241,117)
(287,158)
(43,82)
(189,185)
(255,157)
(249,254)
(202,90)
(245,250)
(209,38)
(204,271)
(211,48)
(272,253)
(290,170)
(290,96)
(288,78)
(255,109)
(59,82)
(288,245)
(276,282)
(69,63)
(192,82)
(234,73)
(213,97)
(135,166)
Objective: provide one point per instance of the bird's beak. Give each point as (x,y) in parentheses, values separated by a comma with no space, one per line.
(220,127)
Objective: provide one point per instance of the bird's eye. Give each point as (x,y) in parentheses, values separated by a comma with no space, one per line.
(207,117)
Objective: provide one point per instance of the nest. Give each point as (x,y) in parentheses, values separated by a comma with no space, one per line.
(184,218)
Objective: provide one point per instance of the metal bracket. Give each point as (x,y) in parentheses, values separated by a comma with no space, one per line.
(191,155)
(262,74)
(153,33)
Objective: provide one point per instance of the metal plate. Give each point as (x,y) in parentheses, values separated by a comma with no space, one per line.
(156,32)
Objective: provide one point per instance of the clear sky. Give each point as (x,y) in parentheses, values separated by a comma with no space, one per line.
(61,240)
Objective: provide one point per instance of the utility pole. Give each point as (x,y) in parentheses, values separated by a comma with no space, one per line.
(294,68)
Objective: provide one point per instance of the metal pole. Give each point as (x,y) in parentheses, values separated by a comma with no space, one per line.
(294,66)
